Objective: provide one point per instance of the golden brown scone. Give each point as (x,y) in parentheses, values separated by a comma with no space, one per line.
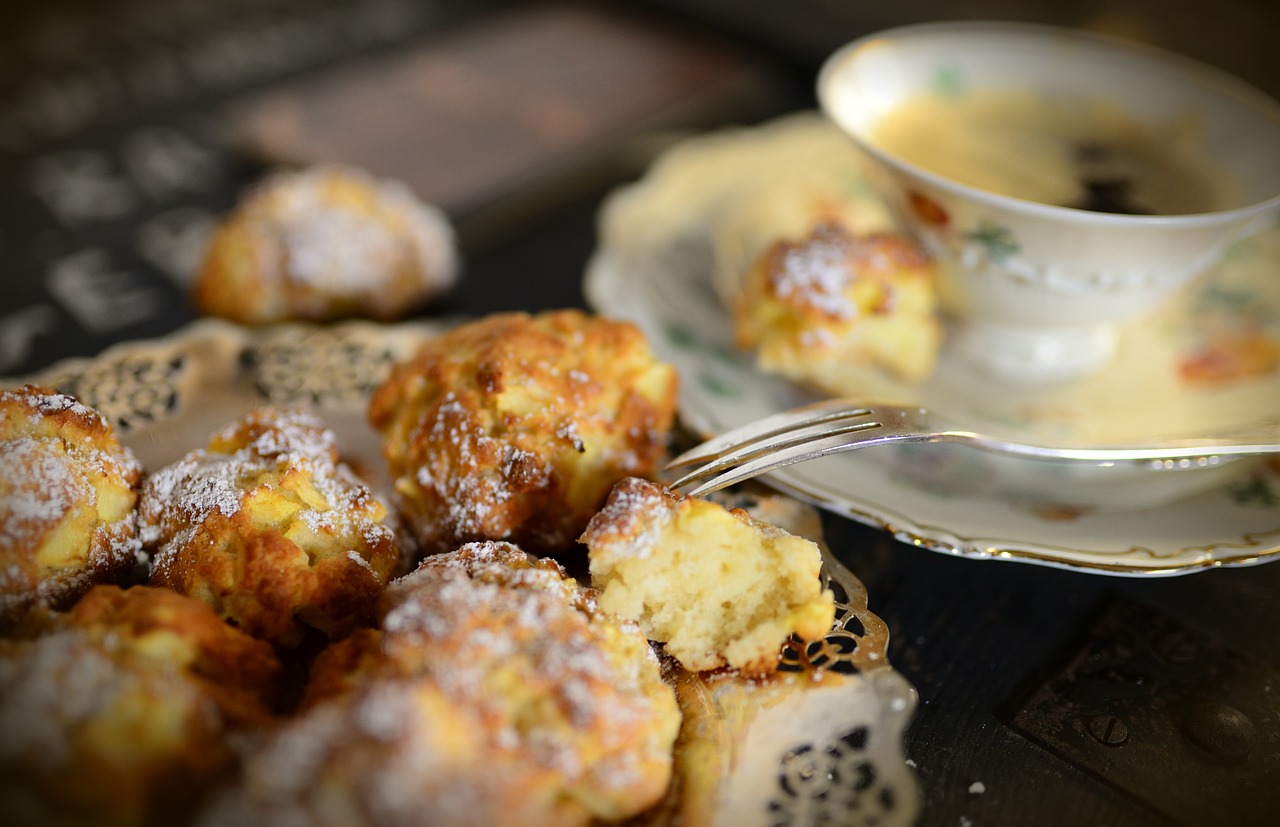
(717,587)
(812,305)
(323,243)
(493,691)
(67,496)
(391,754)
(119,712)
(270,529)
(515,427)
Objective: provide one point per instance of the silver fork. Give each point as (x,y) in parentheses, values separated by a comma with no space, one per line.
(838,425)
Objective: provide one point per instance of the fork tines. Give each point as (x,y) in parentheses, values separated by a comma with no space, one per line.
(769,444)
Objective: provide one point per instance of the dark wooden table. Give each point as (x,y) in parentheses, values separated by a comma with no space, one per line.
(1045,695)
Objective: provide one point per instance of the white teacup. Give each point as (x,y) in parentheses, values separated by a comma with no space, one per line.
(1037,290)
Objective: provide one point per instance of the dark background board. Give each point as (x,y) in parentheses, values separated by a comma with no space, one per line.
(127,128)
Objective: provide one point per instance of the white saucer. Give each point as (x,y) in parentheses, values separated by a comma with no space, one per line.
(654,267)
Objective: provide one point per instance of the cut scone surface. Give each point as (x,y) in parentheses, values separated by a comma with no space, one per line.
(714,585)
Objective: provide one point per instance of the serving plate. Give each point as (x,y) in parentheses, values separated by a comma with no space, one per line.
(1206,363)
(821,741)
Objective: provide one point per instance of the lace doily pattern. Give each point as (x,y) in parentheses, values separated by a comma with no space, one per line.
(319,367)
(132,390)
(858,640)
(835,782)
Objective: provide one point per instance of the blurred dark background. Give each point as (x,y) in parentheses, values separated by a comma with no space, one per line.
(1235,35)
(116,154)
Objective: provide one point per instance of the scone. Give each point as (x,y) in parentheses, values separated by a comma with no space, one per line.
(119,711)
(811,306)
(270,529)
(391,754)
(493,691)
(323,243)
(714,585)
(822,180)
(67,496)
(820,283)
(515,427)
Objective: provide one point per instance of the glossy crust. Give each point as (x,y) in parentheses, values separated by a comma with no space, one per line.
(67,496)
(493,691)
(717,587)
(118,712)
(323,243)
(270,529)
(515,427)
(833,298)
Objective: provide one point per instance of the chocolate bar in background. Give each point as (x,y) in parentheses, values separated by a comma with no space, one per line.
(517,111)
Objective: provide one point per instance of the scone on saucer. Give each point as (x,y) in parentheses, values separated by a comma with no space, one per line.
(816,275)
(814,305)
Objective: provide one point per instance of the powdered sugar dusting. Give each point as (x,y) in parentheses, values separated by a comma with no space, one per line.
(355,557)
(56,454)
(473,497)
(44,403)
(631,522)
(817,273)
(180,497)
(351,248)
(40,487)
(60,682)
(334,249)
(387,755)
(501,613)
(514,427)
(55,685)
(501,701)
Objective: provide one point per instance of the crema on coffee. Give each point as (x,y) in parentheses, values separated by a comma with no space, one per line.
(1067,152)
